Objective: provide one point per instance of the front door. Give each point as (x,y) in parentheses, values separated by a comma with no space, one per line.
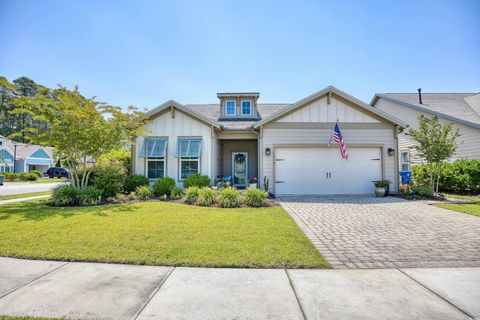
(240,168)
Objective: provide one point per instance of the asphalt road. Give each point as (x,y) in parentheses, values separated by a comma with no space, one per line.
(8,189)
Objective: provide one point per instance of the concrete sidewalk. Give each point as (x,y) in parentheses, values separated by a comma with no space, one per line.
(23,199)
(113,291)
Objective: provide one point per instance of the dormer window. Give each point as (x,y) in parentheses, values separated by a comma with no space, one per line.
(246,107)
(230,107)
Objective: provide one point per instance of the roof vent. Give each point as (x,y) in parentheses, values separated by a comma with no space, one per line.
(420,95)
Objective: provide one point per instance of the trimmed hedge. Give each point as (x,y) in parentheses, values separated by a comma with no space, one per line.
(134,181)
(164,186)
(461,176)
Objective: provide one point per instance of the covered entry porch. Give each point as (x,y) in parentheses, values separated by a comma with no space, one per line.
(239,160)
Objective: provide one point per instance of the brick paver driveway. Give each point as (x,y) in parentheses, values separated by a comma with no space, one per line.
(369,232)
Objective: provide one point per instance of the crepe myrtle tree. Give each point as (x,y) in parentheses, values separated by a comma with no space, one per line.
(436,142)
(82,129)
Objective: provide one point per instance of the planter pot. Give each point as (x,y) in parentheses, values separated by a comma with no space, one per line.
(380,192)
(387,190)
(253,185)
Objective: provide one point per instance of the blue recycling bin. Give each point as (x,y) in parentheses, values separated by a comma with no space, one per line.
(406,177)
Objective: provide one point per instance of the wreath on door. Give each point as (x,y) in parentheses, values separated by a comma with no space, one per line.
(239,158)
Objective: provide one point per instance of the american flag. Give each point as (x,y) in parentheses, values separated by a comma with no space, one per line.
(337,136)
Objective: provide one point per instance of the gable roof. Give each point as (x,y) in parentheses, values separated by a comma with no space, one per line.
(327,90)
(210,113)
(26,150)
(463,108)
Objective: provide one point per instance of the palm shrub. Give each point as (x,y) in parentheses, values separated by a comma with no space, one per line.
(197,180)
(255,197)
(89,196)
(65,195)
(229,198)
(176,193)
(144,192)
(134,181)
(206,197)
(191,195)
(163,186)
(109,177)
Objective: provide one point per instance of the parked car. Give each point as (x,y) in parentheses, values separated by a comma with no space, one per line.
(57,172)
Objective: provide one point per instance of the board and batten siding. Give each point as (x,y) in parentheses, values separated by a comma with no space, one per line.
(468,142)
(180,125)
(311,128)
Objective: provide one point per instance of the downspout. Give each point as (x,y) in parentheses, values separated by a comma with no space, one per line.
(397,174)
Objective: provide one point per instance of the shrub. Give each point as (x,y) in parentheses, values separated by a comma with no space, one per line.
(120,197)
(111,199)
(206,197)
(109,177)
(197,180)
(89,196)
(163,186)
(229,198)
(423,191)
(38,173)
(134,181)
(65,195)
(255,197)
(461,176)
(132,196)
(26,176)
(11,176)
(121,155)
(191,195)
(176,193)
(144,192)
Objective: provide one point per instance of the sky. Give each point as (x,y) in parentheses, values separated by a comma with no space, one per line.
(144,53)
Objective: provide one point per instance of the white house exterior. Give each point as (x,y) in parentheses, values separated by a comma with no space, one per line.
(462,109)
(288,144)
(28,157)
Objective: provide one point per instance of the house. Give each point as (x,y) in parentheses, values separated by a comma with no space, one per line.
(27,156)
(287,144)
(462,109)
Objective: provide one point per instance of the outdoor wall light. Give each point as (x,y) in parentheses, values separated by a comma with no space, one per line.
(268,151)
(391,151)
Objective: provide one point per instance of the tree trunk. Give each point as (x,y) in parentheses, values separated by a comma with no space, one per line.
(431,178)
(439,170)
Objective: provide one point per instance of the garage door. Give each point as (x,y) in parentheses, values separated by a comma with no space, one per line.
(323,171)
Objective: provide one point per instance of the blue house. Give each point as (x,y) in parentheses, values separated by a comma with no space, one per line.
(28,157)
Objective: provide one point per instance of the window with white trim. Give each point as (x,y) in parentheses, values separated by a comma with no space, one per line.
(405,160)
(155,168)
(188,150)
(246,107)
(230,107)
(154,151)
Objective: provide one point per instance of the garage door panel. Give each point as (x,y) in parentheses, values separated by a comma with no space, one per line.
(323,171)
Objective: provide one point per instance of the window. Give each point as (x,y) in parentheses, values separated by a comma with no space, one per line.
(246,107)
(230,107)
(155,168)
(154,150)
(188,166)
(189,151)
(405,160)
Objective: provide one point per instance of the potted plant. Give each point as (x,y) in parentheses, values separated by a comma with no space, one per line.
(253,182)
(382,188)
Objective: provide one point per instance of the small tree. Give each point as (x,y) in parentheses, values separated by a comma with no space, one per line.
(82,130)
(436,143)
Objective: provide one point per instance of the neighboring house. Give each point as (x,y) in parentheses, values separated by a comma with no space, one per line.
(27,157)
(462,109)
(286,143)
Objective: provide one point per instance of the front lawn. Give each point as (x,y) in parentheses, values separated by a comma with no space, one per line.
(24,195)
(469,208)
(156,233)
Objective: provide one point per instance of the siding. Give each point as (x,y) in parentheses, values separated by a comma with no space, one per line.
(182,125)
(468,142)
(320,111)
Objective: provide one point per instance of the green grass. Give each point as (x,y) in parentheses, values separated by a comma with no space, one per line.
(40,180)
(156,233)
(24,195)
(469,208)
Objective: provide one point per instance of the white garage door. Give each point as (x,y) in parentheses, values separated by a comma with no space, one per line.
(323,171)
